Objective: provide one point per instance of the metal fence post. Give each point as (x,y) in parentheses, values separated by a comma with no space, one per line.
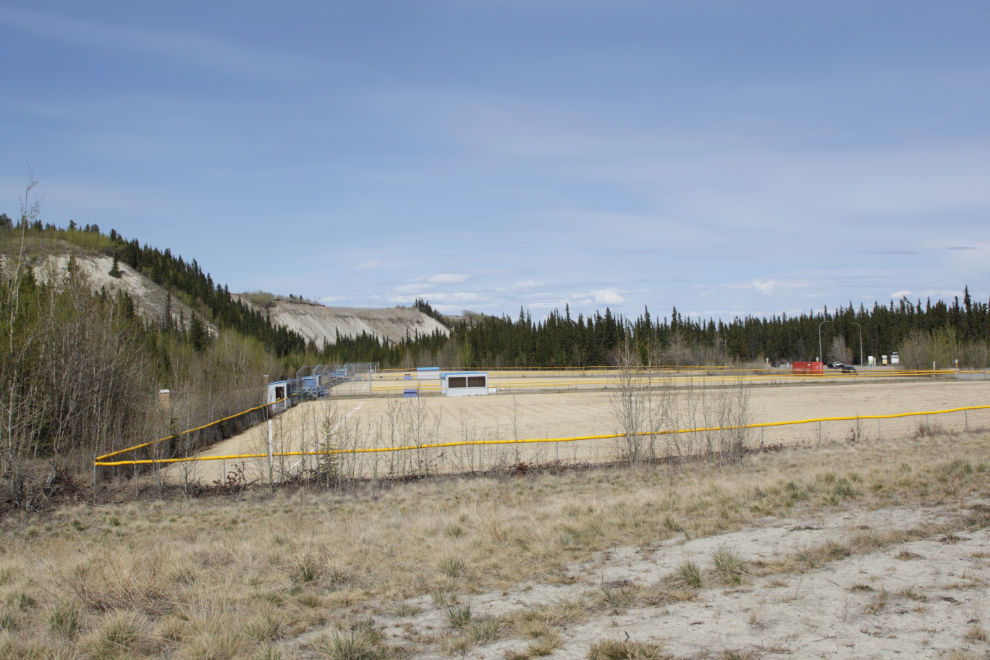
(271,464)
(762,428)
(879,432)
(819,433)
(967,420)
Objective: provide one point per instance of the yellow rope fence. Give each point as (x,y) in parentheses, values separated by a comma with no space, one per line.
(177,435)
(463,443)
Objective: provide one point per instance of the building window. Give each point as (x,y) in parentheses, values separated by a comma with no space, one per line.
(457,381)
(476,381)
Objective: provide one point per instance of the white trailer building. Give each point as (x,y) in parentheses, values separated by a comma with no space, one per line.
(464,383)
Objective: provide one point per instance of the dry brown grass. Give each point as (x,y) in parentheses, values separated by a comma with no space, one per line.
(225,578)
(627,650)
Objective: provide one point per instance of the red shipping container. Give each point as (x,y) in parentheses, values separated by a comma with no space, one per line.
(810,368)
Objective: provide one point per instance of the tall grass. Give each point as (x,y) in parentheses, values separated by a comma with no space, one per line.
(189,577)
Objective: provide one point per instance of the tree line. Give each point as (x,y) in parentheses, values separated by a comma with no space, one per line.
(561,340)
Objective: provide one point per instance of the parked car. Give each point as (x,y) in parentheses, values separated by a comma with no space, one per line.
(846,369)
(835,365)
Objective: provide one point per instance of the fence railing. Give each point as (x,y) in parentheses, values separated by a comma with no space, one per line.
(250,417)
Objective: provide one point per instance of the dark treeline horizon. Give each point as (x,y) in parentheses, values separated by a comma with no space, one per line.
(561,340)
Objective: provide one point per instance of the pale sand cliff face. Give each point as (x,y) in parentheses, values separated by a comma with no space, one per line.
(149,298)
(311,321)
(323,323)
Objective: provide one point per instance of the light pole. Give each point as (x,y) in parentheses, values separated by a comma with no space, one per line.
(821,356)
(860,343)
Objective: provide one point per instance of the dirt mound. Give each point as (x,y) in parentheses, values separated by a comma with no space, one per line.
(324,323)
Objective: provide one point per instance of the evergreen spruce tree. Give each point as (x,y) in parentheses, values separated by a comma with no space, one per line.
(115,269)
(197,334)
(167,316)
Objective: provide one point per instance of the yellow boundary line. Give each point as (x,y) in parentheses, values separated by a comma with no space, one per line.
(464,443)
(604,370)
(176,435)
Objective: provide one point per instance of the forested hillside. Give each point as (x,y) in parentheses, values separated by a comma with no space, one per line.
(80,370)
(185,279)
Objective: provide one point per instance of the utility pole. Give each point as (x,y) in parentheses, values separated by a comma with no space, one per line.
(821,356)
(860,343)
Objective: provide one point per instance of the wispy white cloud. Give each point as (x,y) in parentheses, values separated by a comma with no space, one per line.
(367,265)
(766,287)
(410,289)
(447,298)
(448,278)
(900,294)
(189,47)
(607,297)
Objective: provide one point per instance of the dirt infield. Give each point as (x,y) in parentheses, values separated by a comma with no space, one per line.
(385,423)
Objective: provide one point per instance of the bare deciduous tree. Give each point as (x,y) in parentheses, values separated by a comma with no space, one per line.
(840,351)
(640,403)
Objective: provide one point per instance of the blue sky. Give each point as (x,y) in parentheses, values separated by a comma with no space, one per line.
(727,158)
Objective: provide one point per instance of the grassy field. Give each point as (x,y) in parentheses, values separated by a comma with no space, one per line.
(395,572)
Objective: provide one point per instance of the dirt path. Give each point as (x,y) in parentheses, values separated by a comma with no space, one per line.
(922,599)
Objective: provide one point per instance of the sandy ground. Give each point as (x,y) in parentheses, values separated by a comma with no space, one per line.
(390,422)
(934,592)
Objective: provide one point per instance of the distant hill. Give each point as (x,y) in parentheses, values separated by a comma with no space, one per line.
(321,324)
(161,284)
